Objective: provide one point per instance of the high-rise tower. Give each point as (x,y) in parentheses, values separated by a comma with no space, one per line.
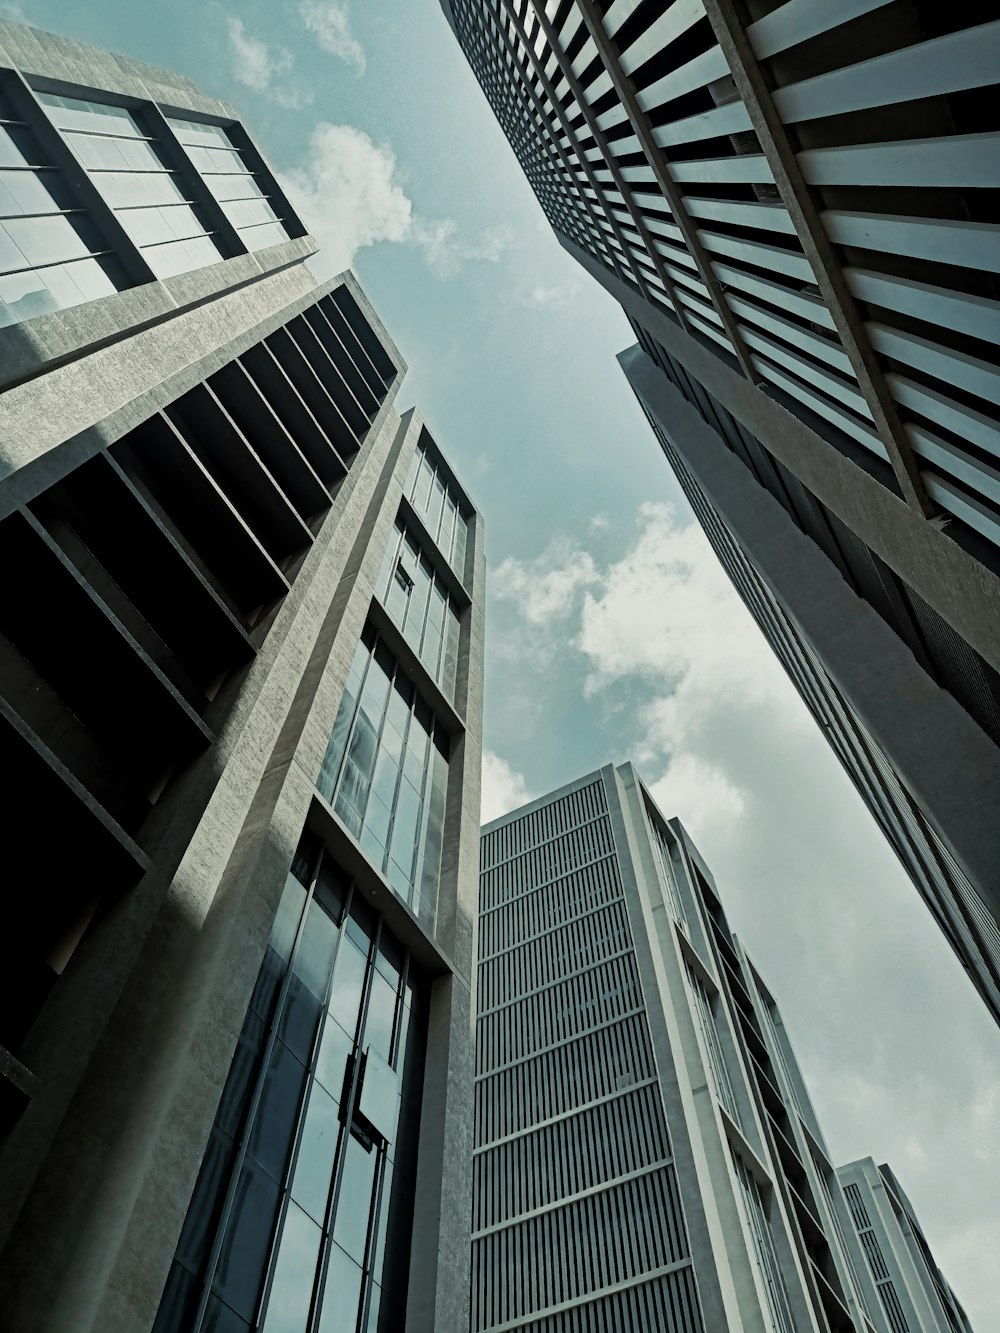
(912,1290)
(646,1153)
(240,697)
(795,205)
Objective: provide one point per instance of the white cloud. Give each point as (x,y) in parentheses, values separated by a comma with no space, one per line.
(548,588)
(699,793)
(665,619)
(254,62)
(349,194)
(330,23)
(446,251)
(260,67)
(14,13)
(503,788)
(553,294)
(599,523)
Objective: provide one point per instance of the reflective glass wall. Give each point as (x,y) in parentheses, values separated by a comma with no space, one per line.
(130,169)
(439,506)
(386,774)
(418,601)
(301,1216)
(231,179)
(52,254)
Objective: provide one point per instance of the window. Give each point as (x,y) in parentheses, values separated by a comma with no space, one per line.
(132,174)
(437,503)
(307,1183)
(759,1227)
(417,600)
(386,774)
(52,255)
(243,195)
(706,1020)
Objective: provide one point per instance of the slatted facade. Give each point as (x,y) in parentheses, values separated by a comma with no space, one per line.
(715,158)
(647,1157)
(796,203)
(577,1217)
(914,1295)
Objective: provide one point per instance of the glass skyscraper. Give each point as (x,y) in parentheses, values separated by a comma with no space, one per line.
(240,684)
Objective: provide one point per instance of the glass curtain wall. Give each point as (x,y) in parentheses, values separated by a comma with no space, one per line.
(418,602)
(439,507)
(759,1227)
(128,168)
(300,1221)
(52,255)
(386,774)
(224,169)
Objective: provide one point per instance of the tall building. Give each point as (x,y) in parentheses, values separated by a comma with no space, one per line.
(240,686)
(795,205)
(646,1153)
(912,1290)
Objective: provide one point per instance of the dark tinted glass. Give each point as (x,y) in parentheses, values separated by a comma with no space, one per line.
(243,1260)
(274,1124)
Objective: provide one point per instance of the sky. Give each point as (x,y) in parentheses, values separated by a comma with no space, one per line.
(612,633)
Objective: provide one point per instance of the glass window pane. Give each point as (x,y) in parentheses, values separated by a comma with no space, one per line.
(404,827)
(314,1164)
(375,693)
(458,554)
(371,1325)
(74,113)
(299,1018)
(242,1074)
(294,1274)
(331,1065)
(24,192)
(92,278)
(425,480)
(243,1259)
(26,295)
(447,527)
(259,238)
(179,1302)
(341,1294)
(348,982)
(10,153)
(434,506)
(220,1319)
(354,1203)
(385,781)
(338,741)
(372,842)
(274,1123)
(314,958)
(381,1011)
(46,240)
(206,1201)
(198,132)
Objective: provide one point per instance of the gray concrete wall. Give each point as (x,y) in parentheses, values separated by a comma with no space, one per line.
(949,766)
(134,1045)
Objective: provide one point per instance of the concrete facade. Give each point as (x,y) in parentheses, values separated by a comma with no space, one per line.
(793,208)
(201,479)
(646,1152)
(912,1290)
